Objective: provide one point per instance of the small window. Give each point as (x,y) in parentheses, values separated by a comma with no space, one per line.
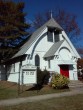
(48,63)
(50,36)
(56,36)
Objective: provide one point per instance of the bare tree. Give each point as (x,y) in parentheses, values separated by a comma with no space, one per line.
(65,19)
(80,50)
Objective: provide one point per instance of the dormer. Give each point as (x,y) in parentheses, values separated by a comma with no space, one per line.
(53,34)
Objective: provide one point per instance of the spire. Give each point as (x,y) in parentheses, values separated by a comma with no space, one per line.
(51,13)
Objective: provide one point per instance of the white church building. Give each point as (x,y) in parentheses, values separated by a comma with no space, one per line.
(47,48)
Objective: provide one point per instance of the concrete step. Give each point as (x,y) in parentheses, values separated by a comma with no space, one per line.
(74,84)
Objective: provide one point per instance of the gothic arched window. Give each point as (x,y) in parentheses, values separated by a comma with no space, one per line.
(37,60)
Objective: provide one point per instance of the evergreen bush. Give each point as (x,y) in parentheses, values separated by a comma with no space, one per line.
(42,77)
(46,76)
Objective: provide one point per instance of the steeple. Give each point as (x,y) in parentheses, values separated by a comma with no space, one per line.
(51,14)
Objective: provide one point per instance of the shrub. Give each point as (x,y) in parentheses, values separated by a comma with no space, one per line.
(46,76)
(59,81)
(42,77)
(39,76)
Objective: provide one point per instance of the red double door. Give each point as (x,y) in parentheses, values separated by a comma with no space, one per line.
(64,70)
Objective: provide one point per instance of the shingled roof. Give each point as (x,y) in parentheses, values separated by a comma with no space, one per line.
(53,49)
(24,48)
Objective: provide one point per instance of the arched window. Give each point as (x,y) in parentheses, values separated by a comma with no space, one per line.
(37,60)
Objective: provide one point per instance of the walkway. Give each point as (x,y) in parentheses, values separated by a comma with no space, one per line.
(40,97)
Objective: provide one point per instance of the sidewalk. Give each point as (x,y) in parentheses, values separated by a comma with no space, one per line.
(40,97)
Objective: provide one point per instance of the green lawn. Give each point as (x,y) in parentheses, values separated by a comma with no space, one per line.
(10,90)
(62,103)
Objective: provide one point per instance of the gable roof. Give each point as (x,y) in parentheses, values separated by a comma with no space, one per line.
(54,24)
(50,23)
(53,49)
(70,44)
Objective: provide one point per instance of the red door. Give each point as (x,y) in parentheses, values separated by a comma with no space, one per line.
(64,70)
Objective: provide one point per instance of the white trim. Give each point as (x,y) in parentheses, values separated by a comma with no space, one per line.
(70,44)
(68,62)
(36,39)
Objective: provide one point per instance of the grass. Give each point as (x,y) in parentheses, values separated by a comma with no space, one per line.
(10,90)
(62,103)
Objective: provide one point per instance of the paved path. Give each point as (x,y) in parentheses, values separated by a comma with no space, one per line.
(40,97)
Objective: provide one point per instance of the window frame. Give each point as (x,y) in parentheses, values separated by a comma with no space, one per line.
(37,60)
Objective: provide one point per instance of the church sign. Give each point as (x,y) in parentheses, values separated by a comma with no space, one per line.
(29,74)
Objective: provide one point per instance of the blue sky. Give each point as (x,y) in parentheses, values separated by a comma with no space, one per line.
(32,7)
